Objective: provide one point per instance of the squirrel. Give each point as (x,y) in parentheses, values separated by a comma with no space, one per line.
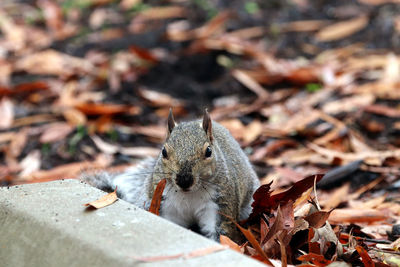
(210,181)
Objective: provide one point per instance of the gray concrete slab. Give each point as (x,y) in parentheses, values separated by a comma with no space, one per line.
(46,225)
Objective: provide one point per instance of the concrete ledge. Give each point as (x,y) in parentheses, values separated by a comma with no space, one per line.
(46,225)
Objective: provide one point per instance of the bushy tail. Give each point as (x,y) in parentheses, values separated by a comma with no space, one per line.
(131,184)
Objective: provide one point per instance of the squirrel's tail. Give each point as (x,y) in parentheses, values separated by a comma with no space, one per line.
(131,184)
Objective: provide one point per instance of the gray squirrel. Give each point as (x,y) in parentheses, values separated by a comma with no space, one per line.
(208,176)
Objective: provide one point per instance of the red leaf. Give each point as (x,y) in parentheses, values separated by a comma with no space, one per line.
(106,109)
(253,241)
(313,247)
(318,218)
(264,202)
(156,200)
(365,258)
(143,53)
(24,88)
(315,259)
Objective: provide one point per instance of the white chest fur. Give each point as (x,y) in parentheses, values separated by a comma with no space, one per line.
(187,209)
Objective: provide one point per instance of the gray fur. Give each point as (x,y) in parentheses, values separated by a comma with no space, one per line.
(226,179)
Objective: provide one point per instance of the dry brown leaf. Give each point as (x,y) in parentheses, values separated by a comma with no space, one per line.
(51,62)
(253,241)
(162,12)
(14,34)
(155,132)
(369,204)
(6,137)
(338,196)
(392,69)
(378,2)
(339,216)
(303,25)
(5,72)
(224,240)
(370,156)
(247,33)
(342,29)
(29,120)
(157,197)
(6,113)
(129,151)
(140,151)
(235,127)
(252,131)
(70,170)
(30,164)
(18,143)
(128,4)
(56,132)
(52,14)
(159,99)
(383,110)
(366,188)
(104,201)
(250,83)
(348,104)
(75,117)
(107,109)
(104,146)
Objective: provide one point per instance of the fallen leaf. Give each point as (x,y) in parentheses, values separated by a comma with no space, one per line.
(357,216)
(318,218)
(159,99)
(317,259)
(24,88)
(383,110)
(378,2)
(30,164)
(342,29)
(252,131)
(157,195)
(69,170)
(107,109)
(365,258)
(56,132)
(51,62)
(264,202)
(162,12)
(250,83)
(75,117)
(143,53)
(303,25)
(338,196)
(6,113)
(253,241)
(103,201)
(129,151)
(224,240)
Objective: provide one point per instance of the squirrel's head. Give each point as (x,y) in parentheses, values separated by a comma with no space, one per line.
(188,155)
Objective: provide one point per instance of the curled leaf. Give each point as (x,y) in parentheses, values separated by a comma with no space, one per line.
(156,200)
(103,201)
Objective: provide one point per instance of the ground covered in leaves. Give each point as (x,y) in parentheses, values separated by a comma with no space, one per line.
(306,87)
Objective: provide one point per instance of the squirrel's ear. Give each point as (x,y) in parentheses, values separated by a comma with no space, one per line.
(171,122)
(207,125)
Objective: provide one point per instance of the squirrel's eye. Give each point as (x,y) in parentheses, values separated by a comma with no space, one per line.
(164,153)
(208,152)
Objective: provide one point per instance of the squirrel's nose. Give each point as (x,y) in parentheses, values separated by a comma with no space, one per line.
(184,181)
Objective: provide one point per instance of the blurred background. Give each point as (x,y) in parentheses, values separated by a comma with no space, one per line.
(305,86)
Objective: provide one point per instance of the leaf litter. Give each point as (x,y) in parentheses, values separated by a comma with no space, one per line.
(90,87)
